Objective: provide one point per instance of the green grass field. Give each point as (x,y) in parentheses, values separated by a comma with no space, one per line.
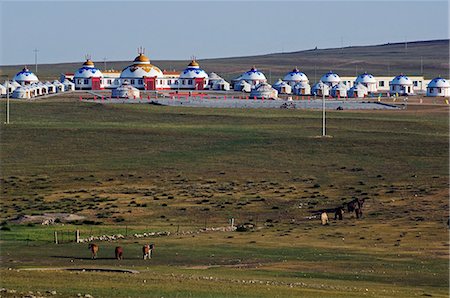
(137,168)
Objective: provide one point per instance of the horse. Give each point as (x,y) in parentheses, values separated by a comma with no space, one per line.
(356,205)
(119,253)
(324,218)
(94,250)
(146,252)
(338,213)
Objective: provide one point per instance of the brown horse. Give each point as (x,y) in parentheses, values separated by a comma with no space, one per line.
(146,251)
(94,250)
(119,253)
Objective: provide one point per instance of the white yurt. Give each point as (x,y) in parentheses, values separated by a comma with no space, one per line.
(295,76)
(125,91)
(141,68)
(51,87)
(88,76)
(320,89)
(2,90)
(330,78)
(193,77)
(402,85)
(68,85)
(11,85)
(253,77)
(59,86)
(302,88)
(220,85)
(339,90)
(213,77)
(358,91)
(21,92)
(282,87)
(264,90)
(243,86)
(438,87)
(25,77)
(367,80)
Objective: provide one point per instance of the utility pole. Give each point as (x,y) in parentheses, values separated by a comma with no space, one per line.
(36,59)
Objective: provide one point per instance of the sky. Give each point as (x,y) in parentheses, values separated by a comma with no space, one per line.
(66,31)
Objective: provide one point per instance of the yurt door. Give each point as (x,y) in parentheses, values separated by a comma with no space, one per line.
(96,84)
(150,83)
(199,84)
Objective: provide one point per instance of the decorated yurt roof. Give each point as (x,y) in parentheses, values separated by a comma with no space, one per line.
(340,86)
(88,70)
(25,75)
(330,77)
(140,68)
(401,80)
(439,83)
(253,74)
(365,78)
(296,76)
(358,86)
(193,71)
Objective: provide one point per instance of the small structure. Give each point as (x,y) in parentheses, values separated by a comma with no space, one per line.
(21,92)
(402,85)
(330,78)
(25,77)
(282,87)
(358,91)
(253,77)
(193,77)
(302,88)
(142,74)
(264,90)
(220,85)
(2,90)
(125,91)
(59,86)
(11,85)
(339,90)
(88,76)
(243,86)
(368,80)
(320,89)
(294,77)
(51,87)
(68,85)
(438,87)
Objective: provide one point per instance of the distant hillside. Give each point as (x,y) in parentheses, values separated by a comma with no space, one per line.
(386,59)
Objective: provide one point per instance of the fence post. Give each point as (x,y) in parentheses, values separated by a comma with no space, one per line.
(77,236)
(55,237)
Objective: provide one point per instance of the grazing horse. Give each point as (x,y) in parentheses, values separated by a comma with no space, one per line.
(356,205)
(119,253)
(94,250)
(146,251)
(324,218)
(338,213)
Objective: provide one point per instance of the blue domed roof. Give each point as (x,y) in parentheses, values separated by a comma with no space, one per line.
(25,75)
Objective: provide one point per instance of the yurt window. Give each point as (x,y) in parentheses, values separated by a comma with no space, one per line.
(86,81)
(132,82)
(381,83)
(190,82)
(439,90)
(140,82)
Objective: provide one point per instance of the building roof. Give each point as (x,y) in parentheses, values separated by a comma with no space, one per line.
(25,75)
(88,70)
(401,80)
(295,76)
(330,77)
(193,71)
(253,74)
(365,78)
(140,68)
(439,83)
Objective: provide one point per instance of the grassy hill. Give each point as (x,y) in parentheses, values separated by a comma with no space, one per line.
(386,59)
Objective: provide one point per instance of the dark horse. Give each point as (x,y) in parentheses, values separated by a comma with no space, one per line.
(356,205)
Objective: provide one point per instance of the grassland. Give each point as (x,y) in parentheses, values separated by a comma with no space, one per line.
(136,168)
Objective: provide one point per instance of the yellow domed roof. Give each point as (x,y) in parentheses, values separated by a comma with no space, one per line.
(194,63)
(142,59)
(88,63)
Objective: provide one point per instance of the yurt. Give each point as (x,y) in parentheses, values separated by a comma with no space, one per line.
(282,87)
(125,91)
(320,89)
(402,85)
(302,88)
(220,85)
(358,91)
(38,89)
(253,77)
(368,80)
(88,77)
(193,77)
(330,78)
(243,86)
(295,76)
(213,77)
(264,90)
(2,90)
(21,92)
(68,85)
(11,85)
(438,87)
(51,88)
(339,90)
(25,77)
(142,74)
(59,86)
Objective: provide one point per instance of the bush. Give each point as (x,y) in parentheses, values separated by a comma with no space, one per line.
(5,228)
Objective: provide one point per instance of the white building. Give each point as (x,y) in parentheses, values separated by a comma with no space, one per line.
(68,85)
(401,85)
(367,80)
(125,91)
(59,86)
(2,90)
(295,76)
(88,77)
(339,90)
(216,82)
(358,91)
(282,87)
(320,89)
(25,77)
(193,77)
(253,77)
(302,88)
(330,78)
(438,87)
(264,91)
(21,92)
(243,86)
